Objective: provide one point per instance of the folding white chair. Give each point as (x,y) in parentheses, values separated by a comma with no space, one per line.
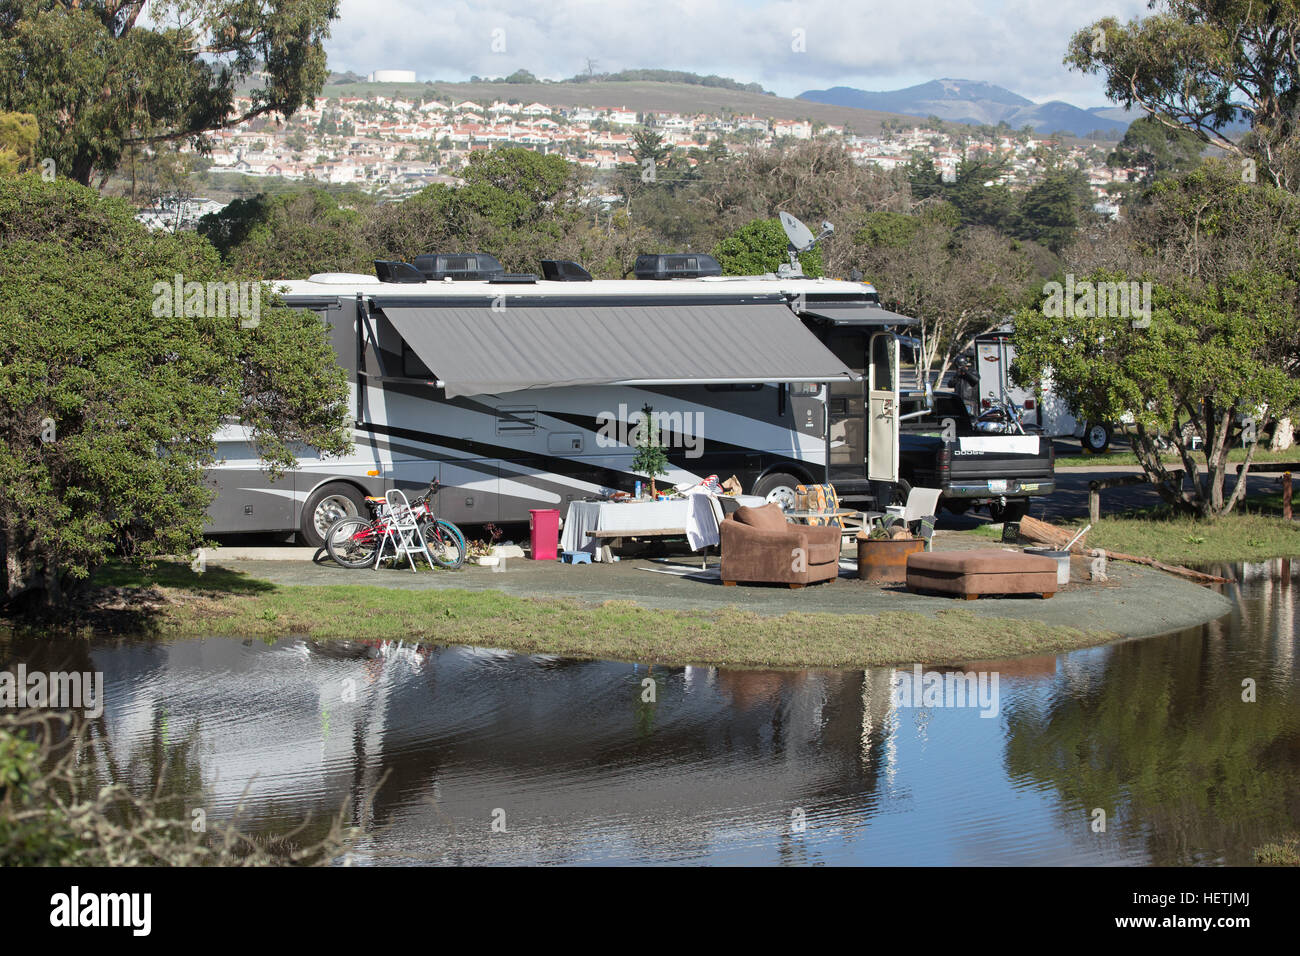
(403,530)
(919,510)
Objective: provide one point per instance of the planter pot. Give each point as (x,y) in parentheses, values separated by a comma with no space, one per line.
(885,560)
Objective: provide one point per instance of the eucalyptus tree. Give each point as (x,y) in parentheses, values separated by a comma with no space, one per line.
(102,76)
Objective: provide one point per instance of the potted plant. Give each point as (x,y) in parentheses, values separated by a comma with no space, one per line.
(650,458)
(882,554)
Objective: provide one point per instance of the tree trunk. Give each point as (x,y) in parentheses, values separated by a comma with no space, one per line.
(22,576)
(82,169)
(1152,461)
(1283,435)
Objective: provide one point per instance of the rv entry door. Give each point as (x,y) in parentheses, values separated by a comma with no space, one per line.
(846,419)
(882,382)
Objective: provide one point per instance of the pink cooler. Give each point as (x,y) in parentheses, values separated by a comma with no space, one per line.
(544,529)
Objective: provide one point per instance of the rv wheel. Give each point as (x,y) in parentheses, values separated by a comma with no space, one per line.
(778,487)
(328,504)
(1096,438)
(898,494)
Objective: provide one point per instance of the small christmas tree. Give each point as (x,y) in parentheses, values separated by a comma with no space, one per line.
(650,457)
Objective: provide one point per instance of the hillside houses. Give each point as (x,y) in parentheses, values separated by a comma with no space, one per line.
(383,142)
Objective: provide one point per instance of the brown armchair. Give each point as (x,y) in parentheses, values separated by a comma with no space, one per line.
(759,544)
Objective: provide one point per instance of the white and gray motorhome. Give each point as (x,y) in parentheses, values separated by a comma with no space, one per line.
(521,393)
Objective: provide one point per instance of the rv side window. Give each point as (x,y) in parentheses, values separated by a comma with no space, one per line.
(412,366)
(805,389)
(882,355)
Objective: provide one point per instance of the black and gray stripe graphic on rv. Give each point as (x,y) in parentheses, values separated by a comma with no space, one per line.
(718,453)
(558,476)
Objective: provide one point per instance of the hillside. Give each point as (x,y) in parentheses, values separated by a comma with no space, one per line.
(635,95)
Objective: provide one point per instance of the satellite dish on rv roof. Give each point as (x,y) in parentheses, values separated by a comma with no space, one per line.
(801,240)
(800,236)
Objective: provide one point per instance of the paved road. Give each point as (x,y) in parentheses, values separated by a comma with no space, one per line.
(1070,500)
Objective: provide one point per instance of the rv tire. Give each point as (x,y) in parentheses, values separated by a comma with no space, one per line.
(778,487)
(327,504)
(899,492)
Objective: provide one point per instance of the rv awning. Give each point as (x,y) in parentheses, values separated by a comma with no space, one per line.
(475,350)
(843,313)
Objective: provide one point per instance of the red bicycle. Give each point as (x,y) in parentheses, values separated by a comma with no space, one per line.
(354,542)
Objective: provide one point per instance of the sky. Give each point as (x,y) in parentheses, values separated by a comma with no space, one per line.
(787,46)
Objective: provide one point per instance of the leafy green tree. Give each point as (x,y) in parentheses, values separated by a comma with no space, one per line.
(1198,236)
(1049,211)
(1157,150)
(516,204)
(925,178)
(18,136)
(979,198)
(1201,65)
(106,81)
(1217,357)
(647,144)
(958,280)
(288,236)
(513,186)
(761,247)
(110,393)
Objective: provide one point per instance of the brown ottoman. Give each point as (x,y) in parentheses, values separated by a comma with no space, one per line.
(972,573)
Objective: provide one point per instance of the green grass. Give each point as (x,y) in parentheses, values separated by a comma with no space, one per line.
(231,604)
(1283,852)
(1251,536)
(1179,540)
(1126,457)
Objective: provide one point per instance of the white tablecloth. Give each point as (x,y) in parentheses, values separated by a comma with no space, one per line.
(694,513)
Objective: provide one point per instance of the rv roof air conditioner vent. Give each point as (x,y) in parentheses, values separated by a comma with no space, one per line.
(564,270)
(512,278)
(394,270)
(677,265)
(465,267)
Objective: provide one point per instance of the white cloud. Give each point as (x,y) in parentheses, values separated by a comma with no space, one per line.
(1018,44)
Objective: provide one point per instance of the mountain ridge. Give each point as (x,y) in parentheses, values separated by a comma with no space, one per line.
(977,102)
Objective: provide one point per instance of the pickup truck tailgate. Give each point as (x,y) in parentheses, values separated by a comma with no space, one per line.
(1001,464)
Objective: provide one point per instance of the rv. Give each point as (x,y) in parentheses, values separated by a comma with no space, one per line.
(520,392)
(987,381)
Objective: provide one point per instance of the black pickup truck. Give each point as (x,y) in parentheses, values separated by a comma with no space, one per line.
(944,449)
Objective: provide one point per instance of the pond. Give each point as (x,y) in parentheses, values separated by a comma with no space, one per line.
(1142,752)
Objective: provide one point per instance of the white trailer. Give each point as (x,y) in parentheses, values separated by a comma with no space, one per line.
(1042,407)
